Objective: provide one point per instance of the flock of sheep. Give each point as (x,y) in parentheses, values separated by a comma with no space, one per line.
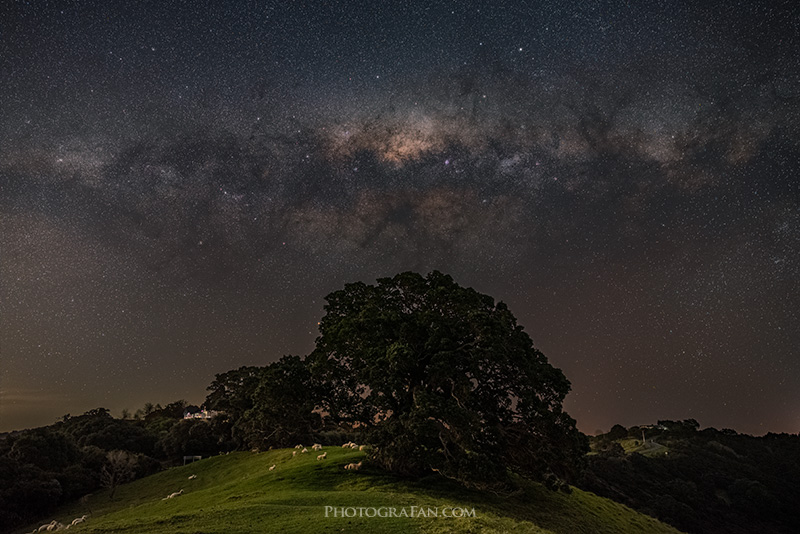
(324,455)
(55,525)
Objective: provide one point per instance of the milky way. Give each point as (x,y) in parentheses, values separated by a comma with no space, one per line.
(182,184)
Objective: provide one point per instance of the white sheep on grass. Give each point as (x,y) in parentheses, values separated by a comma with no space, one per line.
(192,477)
(272,468)
(48,526)
(316,447)
(304,450)
(298,446)
(362,447)
(322,456)
(173,495)
(78,520)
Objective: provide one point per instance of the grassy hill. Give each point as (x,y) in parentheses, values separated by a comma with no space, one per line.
(648,448)
(237,493)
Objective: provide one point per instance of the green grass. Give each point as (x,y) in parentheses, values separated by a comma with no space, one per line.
(649,448)
(237,493)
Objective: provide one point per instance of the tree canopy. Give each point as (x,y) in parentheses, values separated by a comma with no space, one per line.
(442,378)
(283,411)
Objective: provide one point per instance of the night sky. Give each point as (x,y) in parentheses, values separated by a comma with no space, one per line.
(182,183)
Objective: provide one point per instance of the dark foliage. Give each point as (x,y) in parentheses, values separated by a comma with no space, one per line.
(45,467)
(710,482)
(442,378)
(284,403)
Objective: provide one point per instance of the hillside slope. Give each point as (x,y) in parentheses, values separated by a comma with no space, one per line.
(237,493)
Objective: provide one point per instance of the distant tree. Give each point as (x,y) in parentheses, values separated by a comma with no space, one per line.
(26,493)
(189,437)
(120,467)
(283,406)
(126,414)
(617,432)
(123,435)
(148,408)
(232,392)
(680,428)
(441,378)
(46,449)
(103,413)
(175,410)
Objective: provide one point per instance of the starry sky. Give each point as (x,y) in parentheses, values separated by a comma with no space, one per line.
(182,183)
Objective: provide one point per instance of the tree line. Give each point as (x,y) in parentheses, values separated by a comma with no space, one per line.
(709,481)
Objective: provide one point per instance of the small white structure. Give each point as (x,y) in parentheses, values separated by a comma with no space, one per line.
(202,414)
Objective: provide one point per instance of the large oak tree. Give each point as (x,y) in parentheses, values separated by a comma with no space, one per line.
(440,377)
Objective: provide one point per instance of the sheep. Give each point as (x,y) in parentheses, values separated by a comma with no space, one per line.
(272,468)
(172,495)
(304,450)
(298,446)
(78,520)
(322,456)
(362,447)
(294,453)
(55,525)
(353,445)
(357,466)
(344,446)
(48,526)
(316,447)
(192,477)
